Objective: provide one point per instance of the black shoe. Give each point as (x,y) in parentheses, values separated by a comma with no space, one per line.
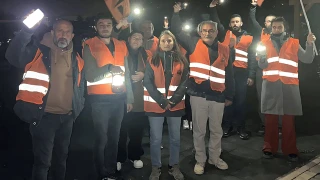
(243,134)
(227,132)
(267,155)
(261,131)
(293,157)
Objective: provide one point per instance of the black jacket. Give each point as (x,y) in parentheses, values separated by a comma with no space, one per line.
(20,52)
(178,95)
(204,90)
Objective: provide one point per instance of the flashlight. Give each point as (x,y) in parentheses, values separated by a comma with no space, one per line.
(187,27)
(261,48)
(117,80)
(185,5)
(33,18)
(221,1)
(165,17)
(137,11)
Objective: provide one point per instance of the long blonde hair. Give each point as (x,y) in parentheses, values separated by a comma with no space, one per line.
(176,53)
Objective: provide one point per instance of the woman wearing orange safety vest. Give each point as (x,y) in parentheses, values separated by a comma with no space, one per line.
(280,96)
(165,84)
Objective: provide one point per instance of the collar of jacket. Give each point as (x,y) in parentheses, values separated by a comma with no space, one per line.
(237,33)
(214,46)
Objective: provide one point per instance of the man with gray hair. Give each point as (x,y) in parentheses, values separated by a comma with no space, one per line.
(211,87)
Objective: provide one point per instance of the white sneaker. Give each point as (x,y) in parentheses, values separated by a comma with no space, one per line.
(185,124)
(190,125)
(119,166)
(137,164)
(199,168)
(220,164)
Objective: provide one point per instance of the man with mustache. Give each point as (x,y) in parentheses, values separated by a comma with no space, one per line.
(211,87)
(105,56)
(244,66)
(264,34)
(51,94)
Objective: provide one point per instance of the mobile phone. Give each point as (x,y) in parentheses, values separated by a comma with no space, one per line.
(184,5)
(33,18)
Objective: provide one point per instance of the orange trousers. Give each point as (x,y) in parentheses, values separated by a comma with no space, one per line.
(271,137)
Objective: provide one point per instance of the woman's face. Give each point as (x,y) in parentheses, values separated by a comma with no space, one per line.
(166,43)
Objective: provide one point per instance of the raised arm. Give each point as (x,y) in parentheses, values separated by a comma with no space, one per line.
(22,48)
(307,56)
(215,17)
(252,17)
(176,27)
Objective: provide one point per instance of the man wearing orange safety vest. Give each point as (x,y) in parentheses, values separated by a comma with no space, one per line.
(51,95)
(150,42)
(211,87)
(280,96)
(244,71)
(263,33)
(105,59)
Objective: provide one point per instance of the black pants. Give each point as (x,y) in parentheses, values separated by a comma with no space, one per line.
(51,134)
(188,115)
(133,125)
(107,118)
(236,113)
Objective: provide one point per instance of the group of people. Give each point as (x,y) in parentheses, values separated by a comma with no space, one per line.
(147,77)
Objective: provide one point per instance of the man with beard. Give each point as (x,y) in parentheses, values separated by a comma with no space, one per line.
(278,56)
(104,57)
(150,42)
(244,72)
(211,87)
(51,94)
(264,34)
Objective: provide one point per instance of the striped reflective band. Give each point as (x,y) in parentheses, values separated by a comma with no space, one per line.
(283,61)
(103,81)
(280,73)
(207,67)
(36,75)
(241,52)
(243,59)
(205,76)
(163,90)
(33,88)
(150,99)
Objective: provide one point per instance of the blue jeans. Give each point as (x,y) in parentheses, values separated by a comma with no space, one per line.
(156,126)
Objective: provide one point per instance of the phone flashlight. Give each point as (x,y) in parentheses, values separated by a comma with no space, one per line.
(33,18)
(185,5)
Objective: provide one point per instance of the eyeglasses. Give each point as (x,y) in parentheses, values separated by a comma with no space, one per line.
(211,31)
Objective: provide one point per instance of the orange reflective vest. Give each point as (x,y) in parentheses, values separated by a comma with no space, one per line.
(150,105)
(36,80)
(282,65)
(201,69)
(154,46)
(241,49)
(103,57)
(264,36)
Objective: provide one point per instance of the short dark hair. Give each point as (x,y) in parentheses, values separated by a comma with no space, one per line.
(236,15)
(102,16)
(134,32)
(58,21)
(283,20)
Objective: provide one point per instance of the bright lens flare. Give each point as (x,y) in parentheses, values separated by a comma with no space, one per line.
(33,18)
(137,11)
(117,80)
(260,48)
